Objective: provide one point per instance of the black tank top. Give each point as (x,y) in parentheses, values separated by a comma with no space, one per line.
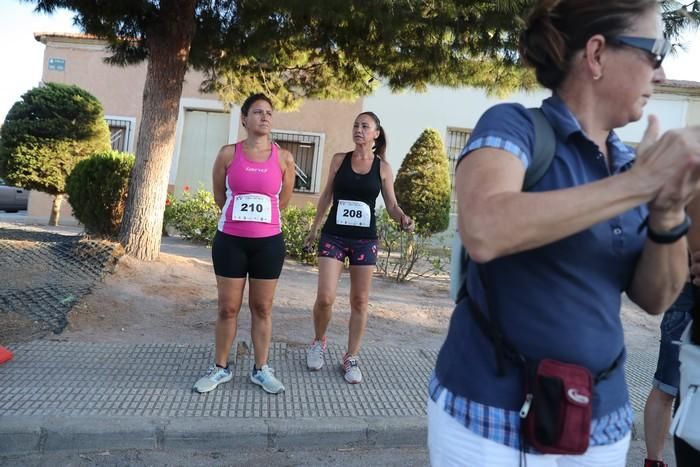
(354,196)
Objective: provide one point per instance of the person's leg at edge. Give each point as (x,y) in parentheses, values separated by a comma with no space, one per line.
(260,296)
(230,291)
(659,405)
(657,419)
(329,270)
(360,285)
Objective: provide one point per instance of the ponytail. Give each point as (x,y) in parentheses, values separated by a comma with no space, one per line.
(380,144)
(379,148)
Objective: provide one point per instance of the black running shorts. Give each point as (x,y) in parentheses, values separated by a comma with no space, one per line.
(238,257)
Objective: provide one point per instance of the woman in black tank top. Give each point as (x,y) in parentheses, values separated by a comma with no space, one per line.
(351,186)
(355,180)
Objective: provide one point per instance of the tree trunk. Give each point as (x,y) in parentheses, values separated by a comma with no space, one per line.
(168,44)
(56,210)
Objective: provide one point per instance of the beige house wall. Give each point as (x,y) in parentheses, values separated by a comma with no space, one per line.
(120,90)
(693,112)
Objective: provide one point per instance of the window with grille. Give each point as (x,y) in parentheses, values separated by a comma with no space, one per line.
(121,132)
(306,149)
(456,140)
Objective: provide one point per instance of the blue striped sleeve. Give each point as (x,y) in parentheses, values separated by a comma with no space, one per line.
(505,126)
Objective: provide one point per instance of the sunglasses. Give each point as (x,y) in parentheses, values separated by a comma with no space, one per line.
(656,48)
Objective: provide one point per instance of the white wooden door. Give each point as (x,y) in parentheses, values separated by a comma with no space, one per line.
(203,134)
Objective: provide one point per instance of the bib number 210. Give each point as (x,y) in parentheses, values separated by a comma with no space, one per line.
(251,207)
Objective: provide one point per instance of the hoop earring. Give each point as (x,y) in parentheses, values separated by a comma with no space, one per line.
(597,77)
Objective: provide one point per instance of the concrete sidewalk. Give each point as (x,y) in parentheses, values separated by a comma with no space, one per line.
(71,396)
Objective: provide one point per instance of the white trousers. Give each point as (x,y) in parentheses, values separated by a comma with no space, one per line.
(451,444)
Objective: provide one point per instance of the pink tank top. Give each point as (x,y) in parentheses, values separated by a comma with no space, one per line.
(252,196)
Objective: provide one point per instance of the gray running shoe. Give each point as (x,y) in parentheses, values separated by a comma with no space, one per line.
(215,376)
(314,355)
(353,375)
(265,378)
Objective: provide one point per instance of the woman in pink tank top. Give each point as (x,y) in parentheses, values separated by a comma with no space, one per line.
(252,180)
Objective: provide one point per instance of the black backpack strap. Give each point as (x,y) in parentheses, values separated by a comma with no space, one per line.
(542,156)
(489,326)
(543,152)
(605,373)
(505,350)
(545,146)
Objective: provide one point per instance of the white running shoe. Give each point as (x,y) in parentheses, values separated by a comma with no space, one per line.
(215,376)
(314,354)
(353,375)
(265,378)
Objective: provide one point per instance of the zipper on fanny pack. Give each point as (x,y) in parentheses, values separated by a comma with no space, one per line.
(525,409)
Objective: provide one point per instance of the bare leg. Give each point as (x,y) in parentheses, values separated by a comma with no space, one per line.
(230,293)
(260,296)
(329,270)
(657,419)
(360,285)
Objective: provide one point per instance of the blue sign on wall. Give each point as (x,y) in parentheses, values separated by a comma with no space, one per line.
(57,64)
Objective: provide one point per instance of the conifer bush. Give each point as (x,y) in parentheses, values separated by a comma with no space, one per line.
(423,184)
(46,133)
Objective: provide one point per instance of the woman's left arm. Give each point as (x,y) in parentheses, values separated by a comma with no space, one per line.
(677,259)
(392,206)
(288,177)
(660,275)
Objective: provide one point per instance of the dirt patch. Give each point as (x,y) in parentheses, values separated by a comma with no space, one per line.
(15,328)
(174,300)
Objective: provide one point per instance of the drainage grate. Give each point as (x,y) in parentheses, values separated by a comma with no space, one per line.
(44,274)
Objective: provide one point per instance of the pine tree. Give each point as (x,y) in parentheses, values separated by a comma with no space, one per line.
(46,134)
(423,184)
(289,49)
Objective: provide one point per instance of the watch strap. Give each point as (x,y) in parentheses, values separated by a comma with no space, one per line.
(670,236)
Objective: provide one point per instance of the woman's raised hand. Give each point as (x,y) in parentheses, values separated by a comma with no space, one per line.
(670,167)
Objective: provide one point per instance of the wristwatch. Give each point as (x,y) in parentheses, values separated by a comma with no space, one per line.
(670,236)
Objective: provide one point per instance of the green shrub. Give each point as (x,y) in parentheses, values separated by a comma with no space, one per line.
(404,255)
(194,216)
(97,189)
(296,223)
(423,184)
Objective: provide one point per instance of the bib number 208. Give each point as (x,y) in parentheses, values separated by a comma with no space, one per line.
(356,213)
(353,213)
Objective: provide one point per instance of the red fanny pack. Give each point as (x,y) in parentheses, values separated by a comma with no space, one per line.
(558,407)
